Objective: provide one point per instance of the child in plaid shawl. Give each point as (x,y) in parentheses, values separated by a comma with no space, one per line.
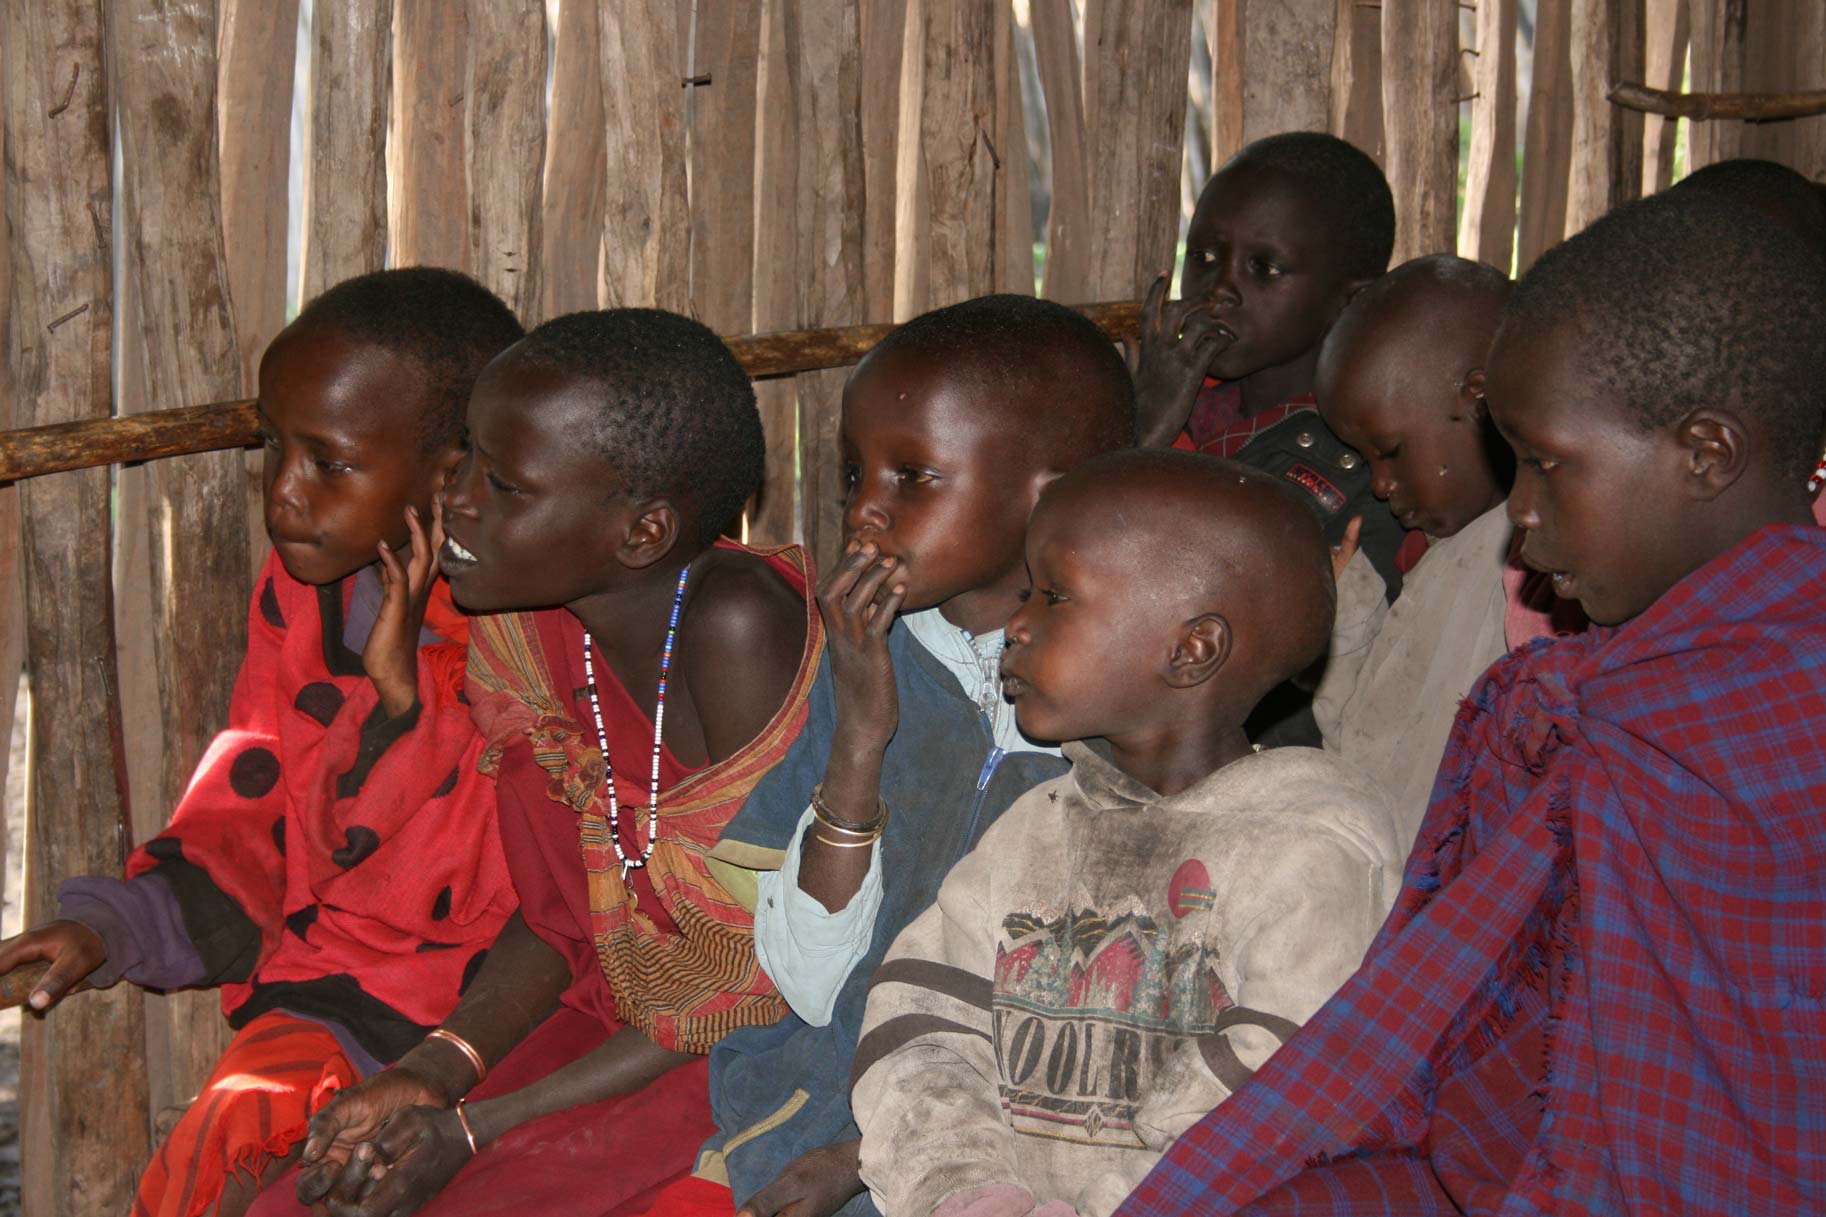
(1603,988)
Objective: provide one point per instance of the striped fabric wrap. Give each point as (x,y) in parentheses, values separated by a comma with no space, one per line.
(684,990)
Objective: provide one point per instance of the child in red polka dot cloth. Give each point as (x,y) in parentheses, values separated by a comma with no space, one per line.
(1132,939)
(334,865)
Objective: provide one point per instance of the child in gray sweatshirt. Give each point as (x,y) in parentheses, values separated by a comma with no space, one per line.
(1131,940)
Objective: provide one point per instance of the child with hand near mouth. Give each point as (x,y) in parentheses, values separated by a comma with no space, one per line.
(1131,940)
(951,429)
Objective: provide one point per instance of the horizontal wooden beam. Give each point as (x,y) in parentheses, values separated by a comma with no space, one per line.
(1749,107)
(36,451)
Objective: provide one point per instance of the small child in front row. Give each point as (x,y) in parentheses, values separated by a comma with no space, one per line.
(1131,940)
(1401,379)
(1600,990)
(951,429)
(334,866)
(1283,236)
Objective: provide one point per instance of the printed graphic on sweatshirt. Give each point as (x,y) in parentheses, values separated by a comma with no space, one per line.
(1087,1007)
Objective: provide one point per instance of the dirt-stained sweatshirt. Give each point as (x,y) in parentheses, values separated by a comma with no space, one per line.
(1032,1039)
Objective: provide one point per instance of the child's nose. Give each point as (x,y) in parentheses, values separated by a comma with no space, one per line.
(864,512)
(1523,512)
(1383,484)
(457,501)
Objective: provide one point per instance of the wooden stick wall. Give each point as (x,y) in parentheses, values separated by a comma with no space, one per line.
(766,165)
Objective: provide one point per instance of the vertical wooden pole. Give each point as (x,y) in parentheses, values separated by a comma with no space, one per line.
(1719,41)
(1070,236)
(258,43)
(165,71)
(1229,72)
(1136,136)
(723,164)
(84,1125)
(345,182)
(950,117)
(646,224)
(1014,271)
(1547,150)
(1356,76)
(1785,50)
(1487,229)
(1606,45)
(884,26)
(1667,27)
(827,46)
(428,198)
(575,169)
(1287,64)
(505,90)
(1420,122)
(775,517)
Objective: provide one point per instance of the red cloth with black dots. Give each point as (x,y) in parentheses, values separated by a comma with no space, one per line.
(363,850)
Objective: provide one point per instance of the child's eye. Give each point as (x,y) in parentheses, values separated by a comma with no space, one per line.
(1024,595)
(1053,596)
(1202,257)
(331,467)
(1264,269)
(1541,463)
(848,477)
(503,487)
(1389,454)
(910,476)
(268,439)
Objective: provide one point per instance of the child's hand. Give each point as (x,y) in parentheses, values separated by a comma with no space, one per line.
(815,1184)
(859,601)
(391,657)
(410,1160)
(354,1116)
(1346,549)
(1179,339)
(72,948)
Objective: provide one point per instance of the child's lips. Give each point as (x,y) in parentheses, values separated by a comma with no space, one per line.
(455,556)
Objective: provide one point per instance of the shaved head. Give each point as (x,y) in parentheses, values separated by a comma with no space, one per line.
(1209,536)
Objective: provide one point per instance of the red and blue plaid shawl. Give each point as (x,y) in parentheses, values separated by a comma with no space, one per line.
(1641,812)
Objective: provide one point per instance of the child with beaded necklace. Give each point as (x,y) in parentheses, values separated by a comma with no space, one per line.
(608,452)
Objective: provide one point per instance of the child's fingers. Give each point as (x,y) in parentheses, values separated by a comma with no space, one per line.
(438,535)
(354,1172)
(886,608)
(837,584)
(1153,303)
(314,1183)
(862,595)
(391,572)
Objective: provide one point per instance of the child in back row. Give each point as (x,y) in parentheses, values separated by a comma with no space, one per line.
(1283,236)
(1600,988)
(1131,940)
(334,865)
(1401,379)
(951,429)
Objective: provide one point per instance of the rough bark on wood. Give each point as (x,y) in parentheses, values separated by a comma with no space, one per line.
(1420,123)
(1547,150)
(774,516)
(1014,184)
(828,53)
(1287,61)
(1356,76)
(1137,54)
(723,163)
(946,240)
(1487,229)
(258,53)
(197,517)
(34,452)
(570,231)
(1070,237)
(505,94)
(12,607)
(345,180)
(1606,140)
(84,1127)
(646,224)
(1784,54)
(884,29)
(1703,107)
(1667,28)
(1720,33)
(1228,75)
(428,187)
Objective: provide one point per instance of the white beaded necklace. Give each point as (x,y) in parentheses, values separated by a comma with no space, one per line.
(659,728)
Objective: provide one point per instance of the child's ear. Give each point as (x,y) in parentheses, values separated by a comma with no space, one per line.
(1471,392)
(1716,449)
(1203,648)
(651,535)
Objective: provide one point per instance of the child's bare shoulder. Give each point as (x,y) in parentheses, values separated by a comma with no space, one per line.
(740,600)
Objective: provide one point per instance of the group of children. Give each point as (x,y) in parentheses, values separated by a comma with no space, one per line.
(1405,801)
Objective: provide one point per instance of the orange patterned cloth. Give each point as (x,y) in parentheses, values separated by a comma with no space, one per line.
(277,1072)
(684,972)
